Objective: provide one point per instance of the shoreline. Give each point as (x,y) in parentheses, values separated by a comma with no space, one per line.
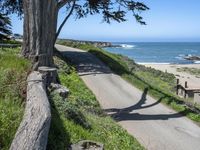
(164,66)
(155,63)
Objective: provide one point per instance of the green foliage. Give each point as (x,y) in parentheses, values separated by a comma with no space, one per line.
(11,42)
(110,10)
(80,95)
(65,42)
(13,72)
(160,85)
(11,6)
(11,112)
(5,27)
(79,117)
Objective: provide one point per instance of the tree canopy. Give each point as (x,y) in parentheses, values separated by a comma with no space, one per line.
(5,27)
(111,10)
(11,6)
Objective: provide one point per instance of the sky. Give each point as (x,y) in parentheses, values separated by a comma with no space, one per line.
(167,21)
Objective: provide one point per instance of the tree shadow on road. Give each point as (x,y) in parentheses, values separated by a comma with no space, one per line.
(128,113)
(85,63)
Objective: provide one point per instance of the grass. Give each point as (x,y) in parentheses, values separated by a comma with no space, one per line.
(79,117)
(192,71)
(13,73)
(10,42)
(160,85)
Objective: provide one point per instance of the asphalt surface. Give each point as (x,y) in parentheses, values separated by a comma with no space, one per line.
(155,126)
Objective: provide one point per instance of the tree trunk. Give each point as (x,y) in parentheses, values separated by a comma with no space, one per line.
(40,23)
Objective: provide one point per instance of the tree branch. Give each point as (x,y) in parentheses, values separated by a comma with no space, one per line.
(62,3)
(64,21)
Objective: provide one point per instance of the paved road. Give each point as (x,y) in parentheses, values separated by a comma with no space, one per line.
(154,125)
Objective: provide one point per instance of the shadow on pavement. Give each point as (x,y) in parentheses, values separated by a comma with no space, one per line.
(86,63)
(126,114)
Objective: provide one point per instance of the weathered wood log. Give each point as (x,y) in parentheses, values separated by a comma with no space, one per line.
(49,73)
(34,128)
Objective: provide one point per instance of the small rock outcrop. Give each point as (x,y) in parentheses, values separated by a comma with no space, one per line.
(87,145)
(60,89)
(194,58)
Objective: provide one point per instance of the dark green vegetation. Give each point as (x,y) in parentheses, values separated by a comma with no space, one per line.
(10,42)
(80,117)
(5,27)
(160,85)
(13,73)
(192,71)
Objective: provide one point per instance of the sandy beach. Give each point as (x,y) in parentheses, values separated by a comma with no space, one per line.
(193,80)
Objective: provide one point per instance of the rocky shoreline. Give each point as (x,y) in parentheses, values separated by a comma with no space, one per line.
(193,58)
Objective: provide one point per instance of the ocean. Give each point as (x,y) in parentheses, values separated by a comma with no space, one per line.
(165,53)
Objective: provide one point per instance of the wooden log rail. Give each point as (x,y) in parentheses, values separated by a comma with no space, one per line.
(32,133)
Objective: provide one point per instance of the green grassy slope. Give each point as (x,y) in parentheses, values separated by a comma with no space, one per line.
(79,117)
(192,71)
(13,73)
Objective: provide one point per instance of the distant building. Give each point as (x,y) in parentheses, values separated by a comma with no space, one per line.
(188,92)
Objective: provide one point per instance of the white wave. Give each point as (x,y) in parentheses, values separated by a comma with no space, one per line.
(152,63)
(189,55)
(127,46)
(180,57)
(197,62)
(183,56)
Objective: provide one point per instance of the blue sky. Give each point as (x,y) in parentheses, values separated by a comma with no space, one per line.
(167,20)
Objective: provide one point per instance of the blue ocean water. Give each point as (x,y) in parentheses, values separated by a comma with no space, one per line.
(172,53)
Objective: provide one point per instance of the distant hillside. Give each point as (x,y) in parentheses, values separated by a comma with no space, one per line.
(95,43)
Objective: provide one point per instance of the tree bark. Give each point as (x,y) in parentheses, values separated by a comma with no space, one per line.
(40,23)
